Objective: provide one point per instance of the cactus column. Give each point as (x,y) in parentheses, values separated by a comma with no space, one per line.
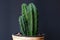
(28,20)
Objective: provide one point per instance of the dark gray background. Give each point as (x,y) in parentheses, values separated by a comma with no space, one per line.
(49,17)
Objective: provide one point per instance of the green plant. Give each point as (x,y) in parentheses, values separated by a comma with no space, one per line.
(28,20)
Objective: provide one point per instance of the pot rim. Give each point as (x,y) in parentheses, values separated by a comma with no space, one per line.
(26,36)
(41,35)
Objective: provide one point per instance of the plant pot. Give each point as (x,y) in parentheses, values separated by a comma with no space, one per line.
(14,37)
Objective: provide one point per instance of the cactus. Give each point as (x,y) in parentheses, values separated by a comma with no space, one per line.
(28,20)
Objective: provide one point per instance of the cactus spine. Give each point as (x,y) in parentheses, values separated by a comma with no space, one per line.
(28,20)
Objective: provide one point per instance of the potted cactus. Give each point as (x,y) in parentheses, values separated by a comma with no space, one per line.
(28,22)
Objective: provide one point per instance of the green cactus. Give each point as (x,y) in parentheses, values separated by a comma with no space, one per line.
(28,20)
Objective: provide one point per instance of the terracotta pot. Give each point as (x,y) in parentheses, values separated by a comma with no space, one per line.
(26,38)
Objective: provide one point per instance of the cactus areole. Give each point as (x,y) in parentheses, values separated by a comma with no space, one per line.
(28,20)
